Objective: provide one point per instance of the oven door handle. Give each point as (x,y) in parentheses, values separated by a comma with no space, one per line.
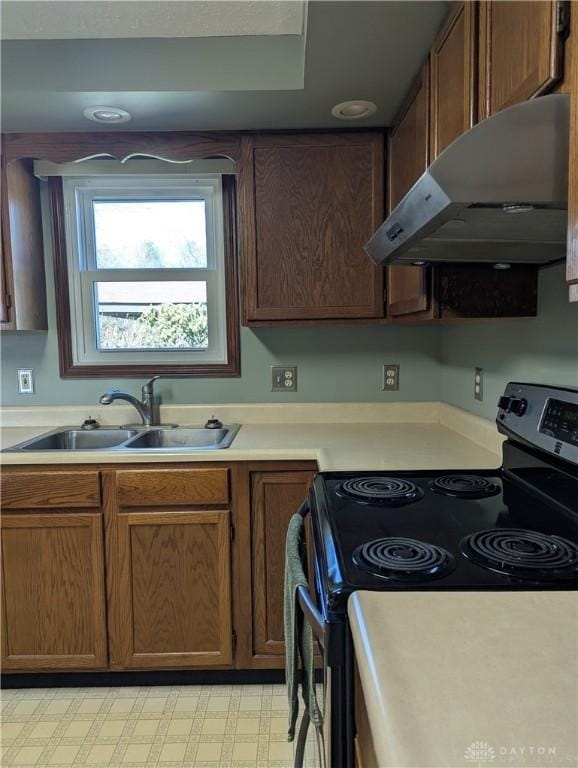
(306,602)
(311,613)
(303,509)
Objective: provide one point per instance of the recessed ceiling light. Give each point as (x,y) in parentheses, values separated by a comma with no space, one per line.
(354,110)
(107,114)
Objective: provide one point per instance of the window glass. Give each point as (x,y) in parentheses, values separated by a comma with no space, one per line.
(151,315)
(150,234)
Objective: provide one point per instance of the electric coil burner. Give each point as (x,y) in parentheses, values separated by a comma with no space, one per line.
(465,486)
(404,559)
(392,491)
(526,555)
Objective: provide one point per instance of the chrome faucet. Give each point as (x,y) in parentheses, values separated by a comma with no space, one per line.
(145,407)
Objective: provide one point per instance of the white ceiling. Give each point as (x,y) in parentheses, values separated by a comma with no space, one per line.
(106,19)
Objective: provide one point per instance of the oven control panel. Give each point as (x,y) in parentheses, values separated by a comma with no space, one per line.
(560,420)
(544,417)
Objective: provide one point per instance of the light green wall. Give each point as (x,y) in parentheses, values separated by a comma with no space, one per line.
(542,349)
(339,363)
(335,364)
(342,363)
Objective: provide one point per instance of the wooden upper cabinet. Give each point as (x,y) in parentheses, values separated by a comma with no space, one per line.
(4,290)
(53,600)
(521,51)
(453,85)
(572,251)
(408,154)
(408,288)
(172,582)
(22,279)
(275,497)
(309,204)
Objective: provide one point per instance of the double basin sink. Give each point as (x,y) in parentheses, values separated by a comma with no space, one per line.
(128,439)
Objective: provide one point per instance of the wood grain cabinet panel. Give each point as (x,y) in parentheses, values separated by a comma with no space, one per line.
(276,496)
(4,290)
(310,203)
(50,489)
(408,288)
(174,589)
(453,84)
(53,592)
(521,52)
(22,279)
(572,253)
(172,487)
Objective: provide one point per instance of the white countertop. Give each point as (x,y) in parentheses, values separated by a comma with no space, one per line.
(427,437)
(448,674)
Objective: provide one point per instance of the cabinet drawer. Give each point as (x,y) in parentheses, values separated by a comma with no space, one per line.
(45,490)
(167,487)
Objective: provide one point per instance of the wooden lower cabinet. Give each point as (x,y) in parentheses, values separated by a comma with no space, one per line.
(146,567)
(275,497)
(173,589)
(53,599)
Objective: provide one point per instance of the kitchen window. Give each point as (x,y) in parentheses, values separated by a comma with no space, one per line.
(145,265)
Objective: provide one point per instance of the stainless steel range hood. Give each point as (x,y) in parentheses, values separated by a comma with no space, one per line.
(497,194)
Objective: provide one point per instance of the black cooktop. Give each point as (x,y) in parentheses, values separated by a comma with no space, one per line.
(441,530)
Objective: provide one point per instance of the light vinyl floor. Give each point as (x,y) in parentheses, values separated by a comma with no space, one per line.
(200,726)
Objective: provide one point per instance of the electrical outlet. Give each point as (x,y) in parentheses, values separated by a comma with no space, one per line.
(390,377)
(26,381)
(283,378)
(479,384)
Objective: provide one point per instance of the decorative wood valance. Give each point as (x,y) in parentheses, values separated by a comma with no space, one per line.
(68,147)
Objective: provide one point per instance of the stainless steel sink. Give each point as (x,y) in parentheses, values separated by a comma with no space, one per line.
(121,439)
(78,440)
(188,438)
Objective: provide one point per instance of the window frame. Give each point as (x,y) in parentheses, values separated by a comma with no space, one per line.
(84,273)
(68,284)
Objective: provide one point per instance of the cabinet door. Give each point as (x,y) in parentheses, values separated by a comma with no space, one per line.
(408,288)
(276,496)
(22,250)
(453,91)
(174,589)
(521,52)
(4,292)
(310,203)
(572,252)
(53,591)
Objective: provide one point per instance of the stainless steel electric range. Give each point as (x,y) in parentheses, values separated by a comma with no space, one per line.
(513,528)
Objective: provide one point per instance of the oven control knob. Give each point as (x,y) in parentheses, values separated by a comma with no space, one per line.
(518,406)
(515,405)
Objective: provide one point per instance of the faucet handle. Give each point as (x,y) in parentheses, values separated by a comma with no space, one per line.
(148,388)
(151,381)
